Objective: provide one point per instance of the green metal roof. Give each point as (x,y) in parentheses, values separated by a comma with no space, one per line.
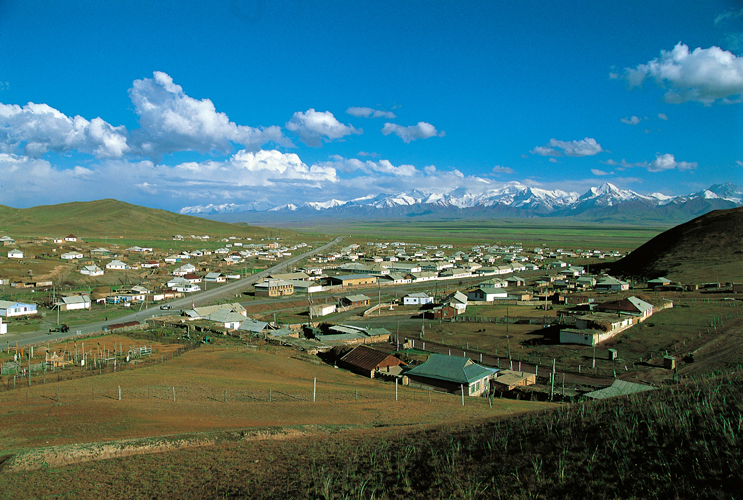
(452,369)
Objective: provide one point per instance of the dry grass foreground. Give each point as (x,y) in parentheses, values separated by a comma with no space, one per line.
(259,393)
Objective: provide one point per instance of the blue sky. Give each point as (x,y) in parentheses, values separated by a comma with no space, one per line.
(173,104)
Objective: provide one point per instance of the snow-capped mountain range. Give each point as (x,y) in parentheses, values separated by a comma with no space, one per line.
(513,200)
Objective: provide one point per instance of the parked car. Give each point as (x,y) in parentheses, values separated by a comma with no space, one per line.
(59,328)
(165,307)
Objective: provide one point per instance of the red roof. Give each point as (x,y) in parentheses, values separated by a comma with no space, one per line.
(369,359)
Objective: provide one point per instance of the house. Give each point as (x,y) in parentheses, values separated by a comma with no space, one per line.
(192,278)
(215,277)
(658,282)
(184,270)
(508,380)
(150,264)
(273,288)
(349,280)
(7,240)
(629,306)
(10,309)
(486,294)
(417,299)
(608,283)
(71,255)
(117,265)
(299,276)
(516,281)
(458,301)
(92,271)
(444,311)
(367,361)
(356,300)
(71,237)
(73,302)
(177,281)
(452,374)
(15,254)
(3,327)
(225,317)
(306,286)
(494,283)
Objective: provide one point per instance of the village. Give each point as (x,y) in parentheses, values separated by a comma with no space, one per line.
(323,301)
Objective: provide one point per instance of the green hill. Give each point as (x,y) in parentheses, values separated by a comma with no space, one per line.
(113,218)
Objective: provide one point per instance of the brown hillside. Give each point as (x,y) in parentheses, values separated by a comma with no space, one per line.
(704,249)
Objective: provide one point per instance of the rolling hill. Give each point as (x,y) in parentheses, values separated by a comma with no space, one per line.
(112,218)
(703,249)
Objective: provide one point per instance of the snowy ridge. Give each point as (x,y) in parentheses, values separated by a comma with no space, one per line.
(512,196)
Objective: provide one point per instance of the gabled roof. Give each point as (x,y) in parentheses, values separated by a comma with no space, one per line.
(253,326)
(618,388)
(357,298)
(451,369)
(457,297)
(367,358)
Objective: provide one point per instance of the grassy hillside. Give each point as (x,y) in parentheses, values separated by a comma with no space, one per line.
(701,249)
(113,218)
(682,441)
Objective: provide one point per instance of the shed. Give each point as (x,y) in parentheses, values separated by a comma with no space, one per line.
(452,374)
(366,361)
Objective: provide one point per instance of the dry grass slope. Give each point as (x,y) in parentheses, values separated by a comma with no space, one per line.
(708,246)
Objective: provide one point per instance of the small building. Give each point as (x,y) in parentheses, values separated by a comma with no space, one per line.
(9,309)
(117,265)
(359,300)
(351,280)
(611,284)
(273,288)
(320,310)
(508,380)
(92,271)
(452,374)
(71,255)
(74,302)
(15,254)
(417,299)
(618,388)
(486,294)
(367,361)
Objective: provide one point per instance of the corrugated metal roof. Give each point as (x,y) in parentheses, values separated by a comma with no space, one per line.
(452,369)
(367,358)
(618,388)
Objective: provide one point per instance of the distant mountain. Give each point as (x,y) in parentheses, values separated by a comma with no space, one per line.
(602,203)
(706,248)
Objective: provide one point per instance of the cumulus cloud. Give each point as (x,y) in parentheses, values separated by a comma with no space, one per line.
(422,130)
(172,121)
(704,75)
(632,120)
(38,128)
(502,170)
(583,147)
(661,163)
(360,112)
(348,165)
(315,126)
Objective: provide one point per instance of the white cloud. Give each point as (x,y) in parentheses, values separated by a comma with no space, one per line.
(661,163)
(422,130)
(598,172)
(553,160)
(171,121)
(728,15)
(583,147)
(348,165)
(502,170)
(315,126)
(704,75)
(39,128)
(360,112)
(740,163)
(632,120)
(662,116)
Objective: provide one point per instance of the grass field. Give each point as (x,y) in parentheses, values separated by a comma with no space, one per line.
(550,232)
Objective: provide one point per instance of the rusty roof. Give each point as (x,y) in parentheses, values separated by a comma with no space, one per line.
(366,357)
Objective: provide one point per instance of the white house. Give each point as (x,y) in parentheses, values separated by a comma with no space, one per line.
(419,298)
(9,309)
(92,270)
(486,294)
(184,270)
(74,302)
(71,255)
(3,327)
(71,237)
(15,254)
(117,265)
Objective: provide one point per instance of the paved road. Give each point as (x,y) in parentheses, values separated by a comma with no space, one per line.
(230,290)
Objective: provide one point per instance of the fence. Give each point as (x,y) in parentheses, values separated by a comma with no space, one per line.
(40,375)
